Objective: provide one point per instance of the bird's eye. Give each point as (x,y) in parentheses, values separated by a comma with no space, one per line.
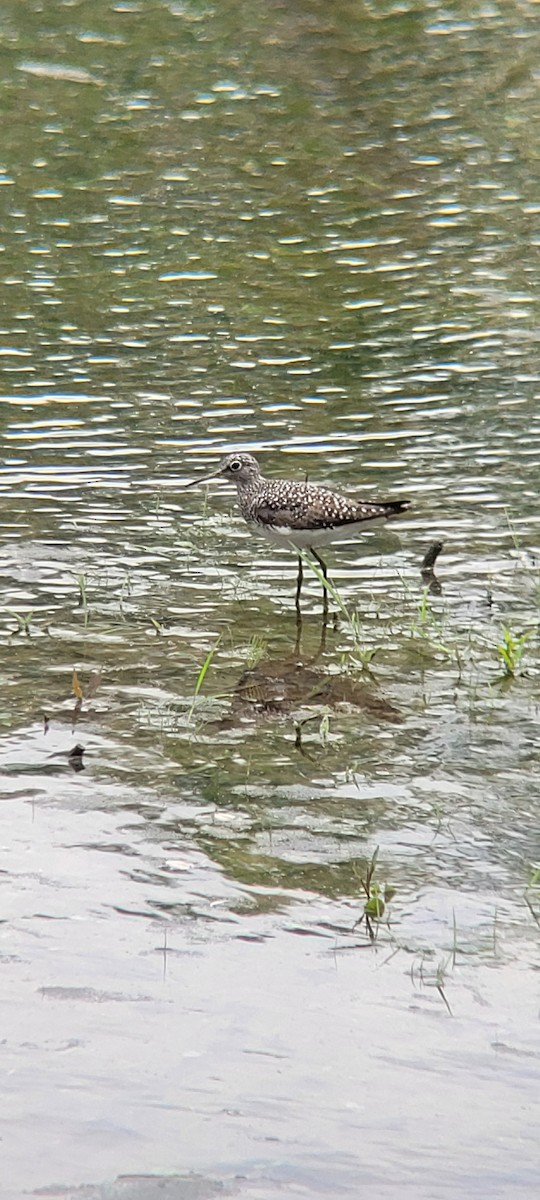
(235,465)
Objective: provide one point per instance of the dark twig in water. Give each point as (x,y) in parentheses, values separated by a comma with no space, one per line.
(75,758)
(429,559)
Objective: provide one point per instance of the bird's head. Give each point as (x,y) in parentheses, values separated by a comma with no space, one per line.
(240,468)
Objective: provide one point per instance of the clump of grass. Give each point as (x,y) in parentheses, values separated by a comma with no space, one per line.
(256,651)
(201,677)
(24,621)
(429,626)
(511,650)
(377,896)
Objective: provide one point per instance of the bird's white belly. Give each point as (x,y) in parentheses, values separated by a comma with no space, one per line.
(302,539)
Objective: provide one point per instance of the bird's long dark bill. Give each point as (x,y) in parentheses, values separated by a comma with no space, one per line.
(203,478)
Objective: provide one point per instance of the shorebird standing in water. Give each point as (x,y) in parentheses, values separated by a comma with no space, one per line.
(302,515)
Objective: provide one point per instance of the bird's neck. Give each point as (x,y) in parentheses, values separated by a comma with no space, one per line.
(246,487)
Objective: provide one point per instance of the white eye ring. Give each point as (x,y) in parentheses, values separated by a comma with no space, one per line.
(235,465)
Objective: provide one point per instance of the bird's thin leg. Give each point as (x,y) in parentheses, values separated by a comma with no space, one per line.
(322,564)
(299,582)
(324,570)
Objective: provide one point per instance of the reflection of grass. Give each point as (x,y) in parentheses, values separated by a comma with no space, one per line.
(83,598)
(435,978)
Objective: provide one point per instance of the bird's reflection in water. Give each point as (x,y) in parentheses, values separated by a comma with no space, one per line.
(276,687)
(323,634)
(281,684)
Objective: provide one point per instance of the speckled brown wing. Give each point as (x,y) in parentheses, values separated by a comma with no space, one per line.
(304,506)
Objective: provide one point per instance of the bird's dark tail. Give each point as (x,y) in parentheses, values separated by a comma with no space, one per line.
(394,507)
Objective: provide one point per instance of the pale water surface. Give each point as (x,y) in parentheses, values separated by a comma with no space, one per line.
(310,231)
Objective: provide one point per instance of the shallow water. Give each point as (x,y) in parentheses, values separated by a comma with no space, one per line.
(311,233)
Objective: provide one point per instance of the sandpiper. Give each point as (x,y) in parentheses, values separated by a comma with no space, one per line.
(302,515)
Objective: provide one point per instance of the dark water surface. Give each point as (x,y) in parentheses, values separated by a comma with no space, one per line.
(310,231)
